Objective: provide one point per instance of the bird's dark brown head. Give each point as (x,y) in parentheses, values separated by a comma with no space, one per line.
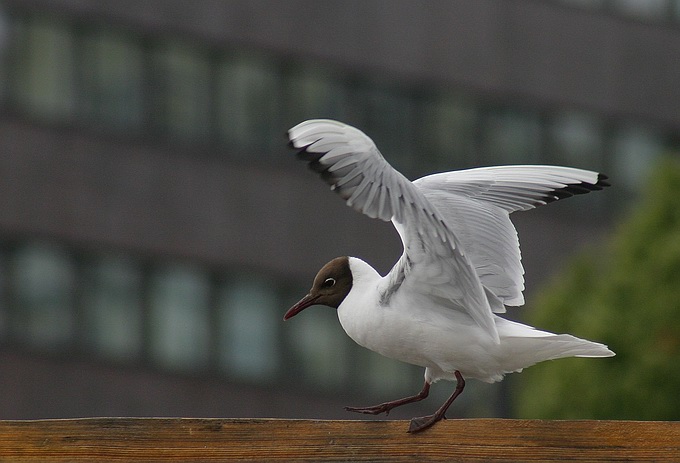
(331,285)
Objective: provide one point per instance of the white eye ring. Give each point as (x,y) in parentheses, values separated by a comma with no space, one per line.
(329,282)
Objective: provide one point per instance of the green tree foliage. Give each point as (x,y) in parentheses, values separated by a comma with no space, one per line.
(628,297)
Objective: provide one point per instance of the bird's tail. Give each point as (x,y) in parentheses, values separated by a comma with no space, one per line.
(527,346)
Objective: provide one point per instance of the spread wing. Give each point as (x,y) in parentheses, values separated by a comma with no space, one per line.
(433,263)
(476,204)
(516,188)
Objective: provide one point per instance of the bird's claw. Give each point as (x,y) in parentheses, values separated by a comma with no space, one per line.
(422,423)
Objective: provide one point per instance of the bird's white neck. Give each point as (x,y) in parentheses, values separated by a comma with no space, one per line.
(362,272)
(361,302)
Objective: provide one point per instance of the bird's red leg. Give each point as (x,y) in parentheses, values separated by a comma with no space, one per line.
(387,406)
(424,422)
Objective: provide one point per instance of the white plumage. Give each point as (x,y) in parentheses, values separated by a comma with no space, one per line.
(461,263)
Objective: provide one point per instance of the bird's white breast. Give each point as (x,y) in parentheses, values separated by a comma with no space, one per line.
(412,330)
(405,329)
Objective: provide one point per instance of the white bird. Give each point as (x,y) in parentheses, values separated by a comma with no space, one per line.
(460,267)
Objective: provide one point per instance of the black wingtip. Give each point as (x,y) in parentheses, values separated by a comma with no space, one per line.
(574,189)
(602,181)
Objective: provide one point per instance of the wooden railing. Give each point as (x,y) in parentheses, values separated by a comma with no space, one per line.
(198,440)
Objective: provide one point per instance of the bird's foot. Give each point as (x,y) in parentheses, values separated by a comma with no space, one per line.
(375,410)
(423,422)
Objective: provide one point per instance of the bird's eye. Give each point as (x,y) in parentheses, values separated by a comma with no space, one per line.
(329,282)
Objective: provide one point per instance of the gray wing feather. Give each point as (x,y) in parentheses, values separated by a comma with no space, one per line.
(459,243)
(516,188)
(433,263)
(476,204)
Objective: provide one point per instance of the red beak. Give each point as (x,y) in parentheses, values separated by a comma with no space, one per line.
(300,306)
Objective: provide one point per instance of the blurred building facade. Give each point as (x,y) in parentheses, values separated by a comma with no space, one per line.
(154,227)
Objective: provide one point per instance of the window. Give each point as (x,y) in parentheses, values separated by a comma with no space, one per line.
(112,71)
(320,349)
(4,314)
(179,318)
(248,329)
(449,132)
(655,10)
(4,49)
(389,377)
(43,280)
(643,9)
(512,137)
(576,139)
(315,93)
(248,104)
(589,4)
(635,149)
(390,120)
(186,91)
(112,308)
(43,82)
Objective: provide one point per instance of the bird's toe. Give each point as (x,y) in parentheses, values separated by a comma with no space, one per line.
(422,423)
(367,410)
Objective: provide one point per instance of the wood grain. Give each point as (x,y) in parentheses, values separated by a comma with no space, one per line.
(199,440)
